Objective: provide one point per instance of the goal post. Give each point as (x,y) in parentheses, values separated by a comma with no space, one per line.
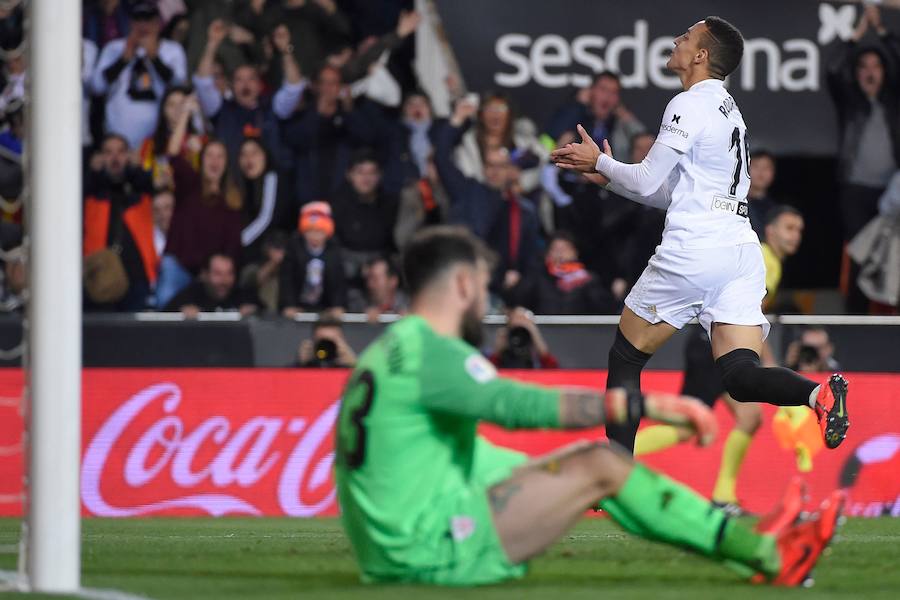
(53,221)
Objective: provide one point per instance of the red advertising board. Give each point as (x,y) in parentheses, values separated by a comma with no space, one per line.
(259,442)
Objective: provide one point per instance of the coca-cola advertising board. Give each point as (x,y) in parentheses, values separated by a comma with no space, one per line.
(223,442)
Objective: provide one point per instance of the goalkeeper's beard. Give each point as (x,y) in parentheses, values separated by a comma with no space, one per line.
(471,329)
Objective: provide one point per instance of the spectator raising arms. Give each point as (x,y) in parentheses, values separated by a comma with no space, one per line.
(132,74)
(323,136)
(416,118)
(494,210)
(208,215)
(312,275)
(154,150)
(600,110)
(864,83)
(246,113)
(118,215)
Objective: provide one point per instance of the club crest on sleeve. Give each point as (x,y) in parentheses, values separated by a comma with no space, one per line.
(480,369)
(462,527)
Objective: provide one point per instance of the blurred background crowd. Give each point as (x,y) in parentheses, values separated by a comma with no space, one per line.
(273,157)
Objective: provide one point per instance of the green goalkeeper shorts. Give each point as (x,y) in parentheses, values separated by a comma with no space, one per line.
(457,534)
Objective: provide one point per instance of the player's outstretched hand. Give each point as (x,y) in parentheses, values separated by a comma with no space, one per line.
(578,157)
(682,411)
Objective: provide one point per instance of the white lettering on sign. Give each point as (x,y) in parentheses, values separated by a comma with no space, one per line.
(243,456)
(548,61)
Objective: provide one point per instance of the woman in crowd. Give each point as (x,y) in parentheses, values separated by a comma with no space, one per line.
(498,127)
(154,150)
(268,202)
(208,215)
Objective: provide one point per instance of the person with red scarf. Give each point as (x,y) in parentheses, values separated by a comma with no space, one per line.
(562,285)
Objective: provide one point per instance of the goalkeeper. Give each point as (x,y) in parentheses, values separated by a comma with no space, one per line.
(425,499)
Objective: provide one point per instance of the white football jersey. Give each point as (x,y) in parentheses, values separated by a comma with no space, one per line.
(710,183)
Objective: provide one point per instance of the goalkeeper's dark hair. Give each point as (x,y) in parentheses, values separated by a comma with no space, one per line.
(725,45)
(434,250)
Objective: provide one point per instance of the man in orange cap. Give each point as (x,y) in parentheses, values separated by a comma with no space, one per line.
(312,275)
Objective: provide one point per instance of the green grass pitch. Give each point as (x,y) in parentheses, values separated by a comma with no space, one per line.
(296,558)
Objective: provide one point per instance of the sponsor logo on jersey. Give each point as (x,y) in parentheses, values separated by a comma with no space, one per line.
(675,130)
(676,119)
(480,368)
(731,206)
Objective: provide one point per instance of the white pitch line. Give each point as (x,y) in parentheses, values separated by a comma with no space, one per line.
(12,581)
(95,594)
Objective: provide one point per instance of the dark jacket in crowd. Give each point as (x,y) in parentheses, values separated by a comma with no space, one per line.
(196,294)
(294,286)
(120,214)
(322,147)
(853,107)
(486,211)
(364,226)
(615,236)
(268,205)
(545,294)
(618,132)
(234,122)
(758,209)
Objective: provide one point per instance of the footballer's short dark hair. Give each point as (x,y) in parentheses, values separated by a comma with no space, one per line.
(434,250)
(725,45)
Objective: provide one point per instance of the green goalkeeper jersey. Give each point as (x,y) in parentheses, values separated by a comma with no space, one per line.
(406,435)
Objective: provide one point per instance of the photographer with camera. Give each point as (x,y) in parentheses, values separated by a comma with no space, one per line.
(520,344)
(327,349)
(812,351)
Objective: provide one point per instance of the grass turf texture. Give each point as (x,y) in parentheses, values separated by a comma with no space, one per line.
(289,558)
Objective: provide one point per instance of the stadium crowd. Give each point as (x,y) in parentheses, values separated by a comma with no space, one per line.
(273,157)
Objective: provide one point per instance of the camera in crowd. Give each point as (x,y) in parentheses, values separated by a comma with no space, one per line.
(325,354)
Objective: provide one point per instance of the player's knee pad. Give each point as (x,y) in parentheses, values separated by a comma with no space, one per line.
(739,369)
(625,363)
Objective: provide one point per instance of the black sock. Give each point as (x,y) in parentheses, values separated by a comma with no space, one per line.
(625,365)
(747,381)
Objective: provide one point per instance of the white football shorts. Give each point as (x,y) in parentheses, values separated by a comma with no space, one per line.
(715,285)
